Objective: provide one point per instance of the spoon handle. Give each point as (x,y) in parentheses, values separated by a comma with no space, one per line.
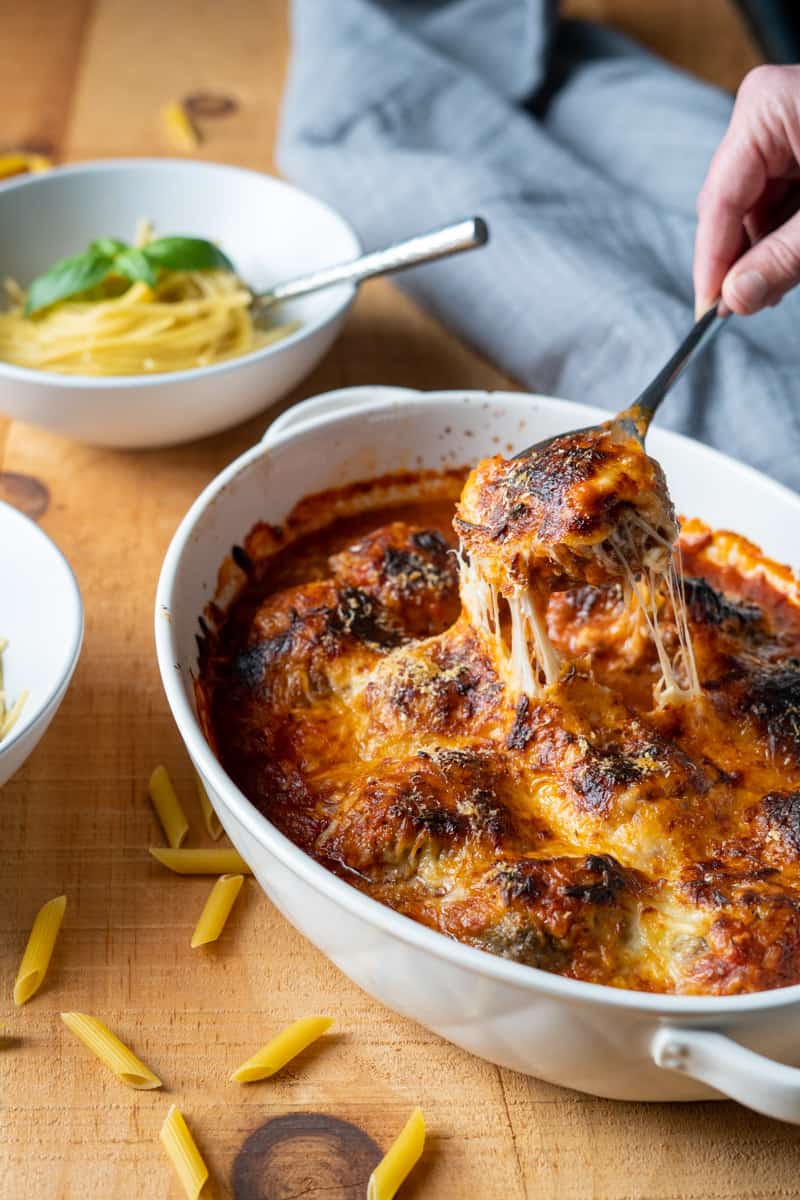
(466,235)
(644,407)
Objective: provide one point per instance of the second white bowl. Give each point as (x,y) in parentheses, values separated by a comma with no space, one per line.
(41,616)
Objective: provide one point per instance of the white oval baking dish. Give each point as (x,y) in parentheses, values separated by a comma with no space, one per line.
(620,1044)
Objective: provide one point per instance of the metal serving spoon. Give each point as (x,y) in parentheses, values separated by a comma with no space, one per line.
(466,235)
(635,421)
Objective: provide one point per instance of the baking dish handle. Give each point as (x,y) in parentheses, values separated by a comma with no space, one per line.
(759,1083)
(327,402)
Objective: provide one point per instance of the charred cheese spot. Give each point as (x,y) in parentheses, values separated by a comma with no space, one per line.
(572,915)
(754,945)
(771,696)
(361,617)
(412,572)
(604,753)
(431,688)
(597,879)
(779,821)
(643,766)
(603,773)
(707,606)
(309,641)
(409,819)
(717,883)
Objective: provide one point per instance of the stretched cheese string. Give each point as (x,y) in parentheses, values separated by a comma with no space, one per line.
(532,663)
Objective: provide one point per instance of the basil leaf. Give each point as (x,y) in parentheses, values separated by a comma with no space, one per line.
(186,254)
(107,256)
(66,278)
(108,246)
(133,264)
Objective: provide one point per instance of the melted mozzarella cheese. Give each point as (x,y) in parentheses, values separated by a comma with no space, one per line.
(637,554)
(648,569)
(531,662)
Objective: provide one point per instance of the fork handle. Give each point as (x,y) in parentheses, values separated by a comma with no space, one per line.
(466,235)
(644,407)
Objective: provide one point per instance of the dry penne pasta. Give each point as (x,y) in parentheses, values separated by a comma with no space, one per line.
(168,807)
(201,862)
(106,1046)
(182,1152)
(399,1160)
(19,162)
(39,949)
(286,1046)
(216,909)
(212,821)
(179,128)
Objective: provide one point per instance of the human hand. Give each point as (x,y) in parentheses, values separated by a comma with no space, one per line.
(749,206)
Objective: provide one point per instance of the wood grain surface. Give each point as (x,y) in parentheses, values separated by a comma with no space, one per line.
(86,79)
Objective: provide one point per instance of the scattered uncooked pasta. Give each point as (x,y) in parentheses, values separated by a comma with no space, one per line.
(282,1049)
(399,1160)
(212,821)
(217,909)
(182,1152)
(201,862)
(178,127)
(20,162)
(168,807)
(8,715)
(39,949)
(106,1046)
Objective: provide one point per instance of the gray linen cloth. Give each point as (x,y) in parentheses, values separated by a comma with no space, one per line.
(585,154)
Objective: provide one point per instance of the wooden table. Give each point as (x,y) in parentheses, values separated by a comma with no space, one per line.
(84,80)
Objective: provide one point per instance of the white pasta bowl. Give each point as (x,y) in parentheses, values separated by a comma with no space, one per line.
(41,616)
(270,230)
(610,1042)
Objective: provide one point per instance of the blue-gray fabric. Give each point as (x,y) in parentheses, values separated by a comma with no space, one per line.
(585,154)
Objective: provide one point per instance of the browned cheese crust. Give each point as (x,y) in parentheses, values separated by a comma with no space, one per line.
(586,832)
(544,517)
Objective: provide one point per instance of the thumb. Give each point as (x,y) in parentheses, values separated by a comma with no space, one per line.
(766,272)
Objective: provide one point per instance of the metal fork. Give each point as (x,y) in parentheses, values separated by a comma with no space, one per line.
(426,247)
(635,421)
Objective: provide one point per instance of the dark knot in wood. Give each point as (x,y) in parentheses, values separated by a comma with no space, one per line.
(29,495)
(210,104)
(305,1154)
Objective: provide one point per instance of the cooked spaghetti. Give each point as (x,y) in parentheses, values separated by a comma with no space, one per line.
(179,320)
(9,710)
